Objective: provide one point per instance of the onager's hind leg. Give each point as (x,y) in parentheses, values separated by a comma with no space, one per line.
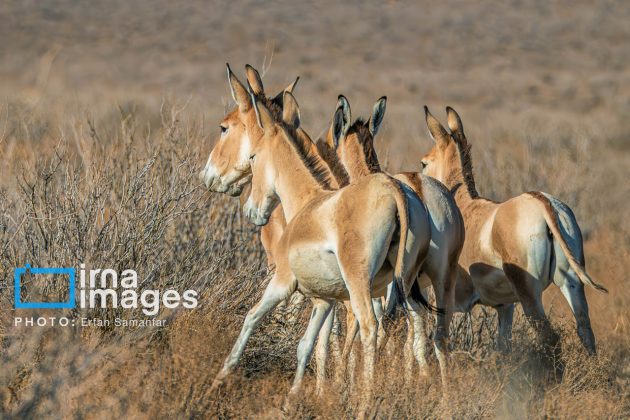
(416,346)
(321,351)
(321,310)
(565,278)
(335,346)
(348,357)
(278,289)
(377,303)
(443,281)
(527,288)
(361,302)
(505,314)
(368,330)
(573,291)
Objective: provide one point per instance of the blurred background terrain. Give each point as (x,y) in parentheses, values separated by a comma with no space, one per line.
(108,109)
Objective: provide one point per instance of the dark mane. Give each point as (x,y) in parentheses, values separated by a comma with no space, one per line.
(465,156)
(303,145)
(274,108)
(329,155)
(360,128)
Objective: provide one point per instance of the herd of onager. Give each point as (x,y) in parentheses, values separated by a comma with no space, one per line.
(336,227)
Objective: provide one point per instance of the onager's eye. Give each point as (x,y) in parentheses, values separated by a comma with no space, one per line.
(224,129)
(423,164)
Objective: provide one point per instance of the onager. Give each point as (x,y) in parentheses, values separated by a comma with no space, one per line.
(335,242)
(272,231)
(513,249)
(354,145)
(234,127)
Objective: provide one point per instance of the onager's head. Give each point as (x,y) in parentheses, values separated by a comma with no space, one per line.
(263,198)
(354,142)
(228,168)
(444,162)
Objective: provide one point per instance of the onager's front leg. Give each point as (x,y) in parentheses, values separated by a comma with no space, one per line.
(277,290)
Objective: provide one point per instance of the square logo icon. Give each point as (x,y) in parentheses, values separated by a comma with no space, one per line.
(21,271)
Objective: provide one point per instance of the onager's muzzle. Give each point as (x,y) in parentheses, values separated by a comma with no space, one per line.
(232,183)
(257,215)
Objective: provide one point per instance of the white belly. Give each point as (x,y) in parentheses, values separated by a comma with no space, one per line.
(317,272)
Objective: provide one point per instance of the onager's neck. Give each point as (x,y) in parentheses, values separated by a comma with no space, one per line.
(459,177)
(329,155)
(302,174)
(360,161)
(358,168)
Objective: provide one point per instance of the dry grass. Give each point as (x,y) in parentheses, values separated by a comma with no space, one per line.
(107,113)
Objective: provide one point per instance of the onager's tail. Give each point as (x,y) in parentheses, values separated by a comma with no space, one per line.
(552,222)
(402,259)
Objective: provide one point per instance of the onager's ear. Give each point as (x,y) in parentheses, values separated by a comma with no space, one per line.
(290,110)
(378,113)
(455,124)
(438,132)
(279,98)
(338,126)
(254,80)
(239,93)
(292,85)
(263,116)
(342,102)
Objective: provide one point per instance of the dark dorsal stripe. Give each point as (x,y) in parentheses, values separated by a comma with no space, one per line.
(299,141)
(465,158)
(302,145)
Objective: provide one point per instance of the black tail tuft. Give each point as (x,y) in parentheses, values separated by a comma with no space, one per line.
(416,294)
(399,294)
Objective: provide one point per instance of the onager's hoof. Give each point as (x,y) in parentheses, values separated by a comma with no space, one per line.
(290,403)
